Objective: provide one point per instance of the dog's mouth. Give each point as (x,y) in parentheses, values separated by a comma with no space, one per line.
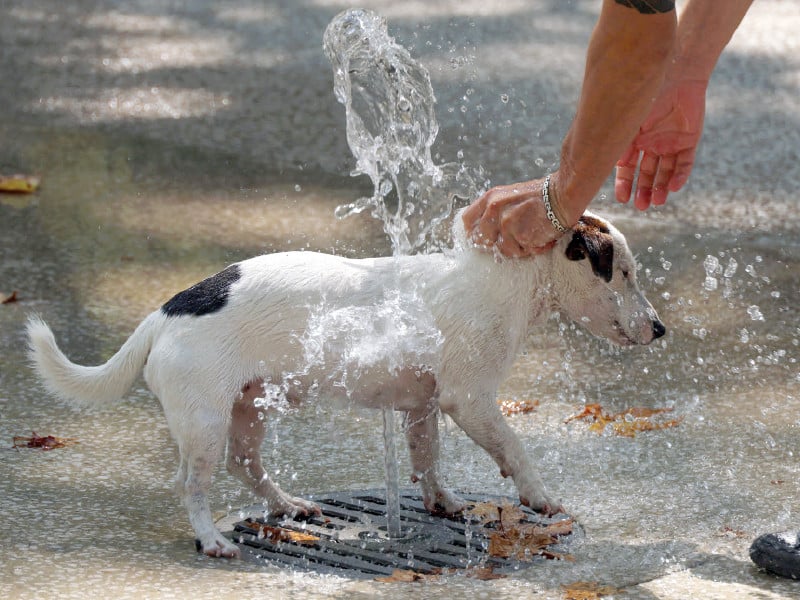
(623,339)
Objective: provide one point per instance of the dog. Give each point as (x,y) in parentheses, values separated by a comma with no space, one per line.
(215,351)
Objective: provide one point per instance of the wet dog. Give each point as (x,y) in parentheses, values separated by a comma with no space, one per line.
(211,352)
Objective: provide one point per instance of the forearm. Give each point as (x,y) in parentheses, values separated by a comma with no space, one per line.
(704,29)
(625,67)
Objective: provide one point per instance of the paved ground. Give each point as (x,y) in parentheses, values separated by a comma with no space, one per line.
(173,136)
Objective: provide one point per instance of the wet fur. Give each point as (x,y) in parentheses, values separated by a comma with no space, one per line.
(208,352)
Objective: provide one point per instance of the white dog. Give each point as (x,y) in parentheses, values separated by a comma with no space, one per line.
(211,352)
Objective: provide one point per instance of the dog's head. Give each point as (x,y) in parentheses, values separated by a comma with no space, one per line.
(594,282)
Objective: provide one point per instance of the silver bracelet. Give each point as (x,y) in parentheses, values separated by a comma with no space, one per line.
(548,209)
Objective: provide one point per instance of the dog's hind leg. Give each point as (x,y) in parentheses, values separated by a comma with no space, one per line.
(245,435)
(199,455)
(422,433)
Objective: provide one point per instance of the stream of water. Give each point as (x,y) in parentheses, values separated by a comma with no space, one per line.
(391,126)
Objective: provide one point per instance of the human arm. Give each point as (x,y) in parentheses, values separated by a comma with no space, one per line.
(666,144)
(625,65)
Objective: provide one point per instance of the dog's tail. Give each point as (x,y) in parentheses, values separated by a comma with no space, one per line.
(89,386)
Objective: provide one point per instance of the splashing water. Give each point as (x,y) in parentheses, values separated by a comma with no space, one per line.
(391,127)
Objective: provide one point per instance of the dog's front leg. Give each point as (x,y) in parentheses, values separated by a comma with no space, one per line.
(422,433)
(480,418)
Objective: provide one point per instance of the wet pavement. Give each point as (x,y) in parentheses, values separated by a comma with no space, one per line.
(176,137)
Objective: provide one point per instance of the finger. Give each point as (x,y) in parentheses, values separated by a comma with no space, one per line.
(644,183)
(472,215)
(486,232)
(626,169)
(666,168)
(509,247)
(684,161)
(480,220)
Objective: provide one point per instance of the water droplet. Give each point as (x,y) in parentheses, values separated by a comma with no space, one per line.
(710,283)
(711,264)
(504,98)
(297,188)
(776,294)
(755,313)
(539,162)
(730,270)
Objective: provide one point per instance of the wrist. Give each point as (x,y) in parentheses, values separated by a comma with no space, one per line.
(560,201)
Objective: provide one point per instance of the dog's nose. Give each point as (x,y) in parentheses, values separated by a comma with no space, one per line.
(658,329)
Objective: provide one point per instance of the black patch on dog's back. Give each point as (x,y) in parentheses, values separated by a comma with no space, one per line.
(206,297)
(592,239)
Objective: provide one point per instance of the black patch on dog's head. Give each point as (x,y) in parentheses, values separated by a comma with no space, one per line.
(592,239)
(206,297)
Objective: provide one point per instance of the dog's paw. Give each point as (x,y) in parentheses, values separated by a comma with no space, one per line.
(533,495)
(542,504)
(443,502)
(548,509)
(291,506)
(218,546)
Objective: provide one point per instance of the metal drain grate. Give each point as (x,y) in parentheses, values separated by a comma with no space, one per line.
(352,538)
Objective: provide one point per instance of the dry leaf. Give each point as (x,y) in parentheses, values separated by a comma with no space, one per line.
(517,407)
(407,576)
(730,532)
(512,536)
(19,184)
(281,534)
(46,442)
(506,514)
(626,423)
(630,428)
(588,590)
(527,540)
(11,298)
(483,573)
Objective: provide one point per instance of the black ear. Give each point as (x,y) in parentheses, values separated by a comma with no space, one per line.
(596,245)
(577,248)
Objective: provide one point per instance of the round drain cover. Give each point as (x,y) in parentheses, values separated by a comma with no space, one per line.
(349,537)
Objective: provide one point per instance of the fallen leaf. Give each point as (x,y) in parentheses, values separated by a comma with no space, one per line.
(528,540)
(631,428)
(730,532)
(626,423)
(483,573)
(46,442)
(10,298)
(407,576)
(506,514)
(281,534)
(517,407)
(19,184)
(588,590)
